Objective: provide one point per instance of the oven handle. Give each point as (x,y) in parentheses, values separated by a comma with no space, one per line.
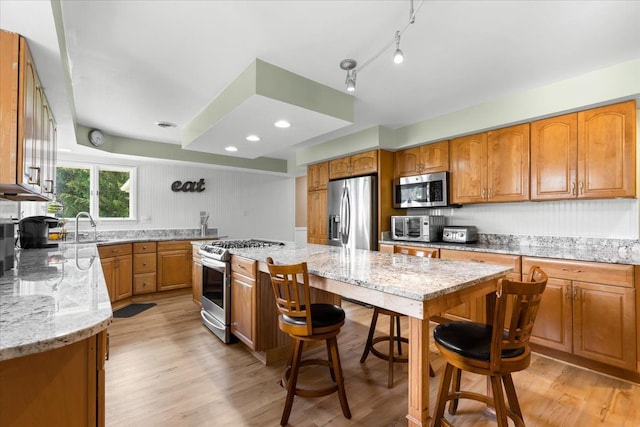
(206,262)
(211,321)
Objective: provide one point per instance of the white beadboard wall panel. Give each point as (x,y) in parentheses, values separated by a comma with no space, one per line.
(611,218)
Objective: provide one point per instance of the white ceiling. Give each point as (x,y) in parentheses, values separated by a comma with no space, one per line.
(137,62)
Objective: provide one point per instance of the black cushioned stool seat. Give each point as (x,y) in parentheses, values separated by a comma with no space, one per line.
(469,339)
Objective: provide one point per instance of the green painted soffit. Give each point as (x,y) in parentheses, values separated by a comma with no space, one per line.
(157,150)
(368,139)
(262,78)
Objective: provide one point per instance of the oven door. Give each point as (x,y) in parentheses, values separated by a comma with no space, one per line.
(216,302)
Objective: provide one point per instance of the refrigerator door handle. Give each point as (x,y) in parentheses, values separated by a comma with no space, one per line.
(347,216)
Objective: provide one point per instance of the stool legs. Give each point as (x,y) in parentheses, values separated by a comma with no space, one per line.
(334,358)
(293,379)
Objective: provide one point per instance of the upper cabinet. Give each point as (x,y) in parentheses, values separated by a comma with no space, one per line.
(491,166)
(358,164)
(427,158)
(27,129)
(589,154)
(317,176)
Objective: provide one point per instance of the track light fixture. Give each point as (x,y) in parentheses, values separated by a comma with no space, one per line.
(349,65)
(398,56)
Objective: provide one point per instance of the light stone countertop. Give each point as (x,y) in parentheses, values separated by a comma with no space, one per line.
(414,278)
(52,298)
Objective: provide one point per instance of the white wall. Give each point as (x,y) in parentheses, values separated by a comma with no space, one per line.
(241,204)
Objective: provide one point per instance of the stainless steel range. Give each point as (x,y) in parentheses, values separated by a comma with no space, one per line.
(216,283)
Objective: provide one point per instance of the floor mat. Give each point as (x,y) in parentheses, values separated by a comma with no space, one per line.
(132,309)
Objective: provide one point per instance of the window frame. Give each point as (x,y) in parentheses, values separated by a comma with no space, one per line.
(94,190)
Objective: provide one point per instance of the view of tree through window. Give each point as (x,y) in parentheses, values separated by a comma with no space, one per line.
(73,186)
(103,191)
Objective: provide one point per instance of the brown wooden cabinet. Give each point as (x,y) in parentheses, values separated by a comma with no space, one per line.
(588,310)
(174,264)
(317,176)
(317,217)
(491,166)
(428,158)
(118,269)
(27,129)
(196,276)
(590,154)
(144,268)
(475,310)
(243,300)
(357,164)
(60,387)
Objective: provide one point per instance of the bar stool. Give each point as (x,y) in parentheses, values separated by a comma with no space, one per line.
(494,350)
(392,338)
(304,321)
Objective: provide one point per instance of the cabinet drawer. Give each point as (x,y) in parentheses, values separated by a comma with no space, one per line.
(114,250)
(144,283)
(144,247)
(585,271)
(144,263)
(174,245)
(512,261)
(244,266)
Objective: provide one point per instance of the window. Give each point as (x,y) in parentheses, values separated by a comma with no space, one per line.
(105,191)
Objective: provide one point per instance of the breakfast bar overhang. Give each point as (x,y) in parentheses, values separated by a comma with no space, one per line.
(414,286)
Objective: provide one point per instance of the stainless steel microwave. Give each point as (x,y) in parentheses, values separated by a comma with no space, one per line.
(421,191)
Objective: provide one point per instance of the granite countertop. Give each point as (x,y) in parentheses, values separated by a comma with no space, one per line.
(606,251)
(410,277)
(52,298)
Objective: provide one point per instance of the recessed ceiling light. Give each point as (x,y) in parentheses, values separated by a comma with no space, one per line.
(282,124)
(253,138)
(165,124)
(231,148)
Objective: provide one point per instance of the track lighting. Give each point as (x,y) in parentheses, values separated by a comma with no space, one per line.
(398,56)
(350,66)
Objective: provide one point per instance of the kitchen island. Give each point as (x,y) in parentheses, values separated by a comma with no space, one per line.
(416,287)
(54,311)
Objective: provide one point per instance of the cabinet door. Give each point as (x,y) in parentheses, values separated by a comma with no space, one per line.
(469,169)
(123,274)
(317,217)
(340,168)
(243,308)
(434,157)
(27,150)
(317,176)
(364,163)
(108,269)
(606,151)
(508,164)
(406,162)
(554,158)
(604,324)
(553,325)
(174,269)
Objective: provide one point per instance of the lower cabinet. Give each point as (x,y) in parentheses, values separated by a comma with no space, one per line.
(589,310)
(243,300)
(475,310)
(174,265)
(60,387)
(117,268)
(196,276)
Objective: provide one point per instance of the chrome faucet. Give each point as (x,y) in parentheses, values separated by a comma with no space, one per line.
(91,221)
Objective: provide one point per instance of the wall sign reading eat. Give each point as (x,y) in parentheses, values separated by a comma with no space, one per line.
(188,186)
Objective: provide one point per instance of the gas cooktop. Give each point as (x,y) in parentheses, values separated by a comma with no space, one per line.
(219,249)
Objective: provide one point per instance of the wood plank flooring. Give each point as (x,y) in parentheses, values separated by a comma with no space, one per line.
(166,369)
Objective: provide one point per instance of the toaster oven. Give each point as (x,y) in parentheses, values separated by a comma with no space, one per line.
(417,228)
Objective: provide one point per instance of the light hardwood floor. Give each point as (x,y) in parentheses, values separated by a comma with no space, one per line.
(166,369)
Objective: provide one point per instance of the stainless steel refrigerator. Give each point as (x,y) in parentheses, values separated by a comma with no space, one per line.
(352,207)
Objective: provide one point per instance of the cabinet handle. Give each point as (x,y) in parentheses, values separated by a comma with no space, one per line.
(48,186)
(488,193)
(570,270)
(566,293)
(482,194)
(573,188)
(575,293)
(144,264)
(581,187)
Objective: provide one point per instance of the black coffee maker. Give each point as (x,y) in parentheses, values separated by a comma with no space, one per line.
(34,232)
